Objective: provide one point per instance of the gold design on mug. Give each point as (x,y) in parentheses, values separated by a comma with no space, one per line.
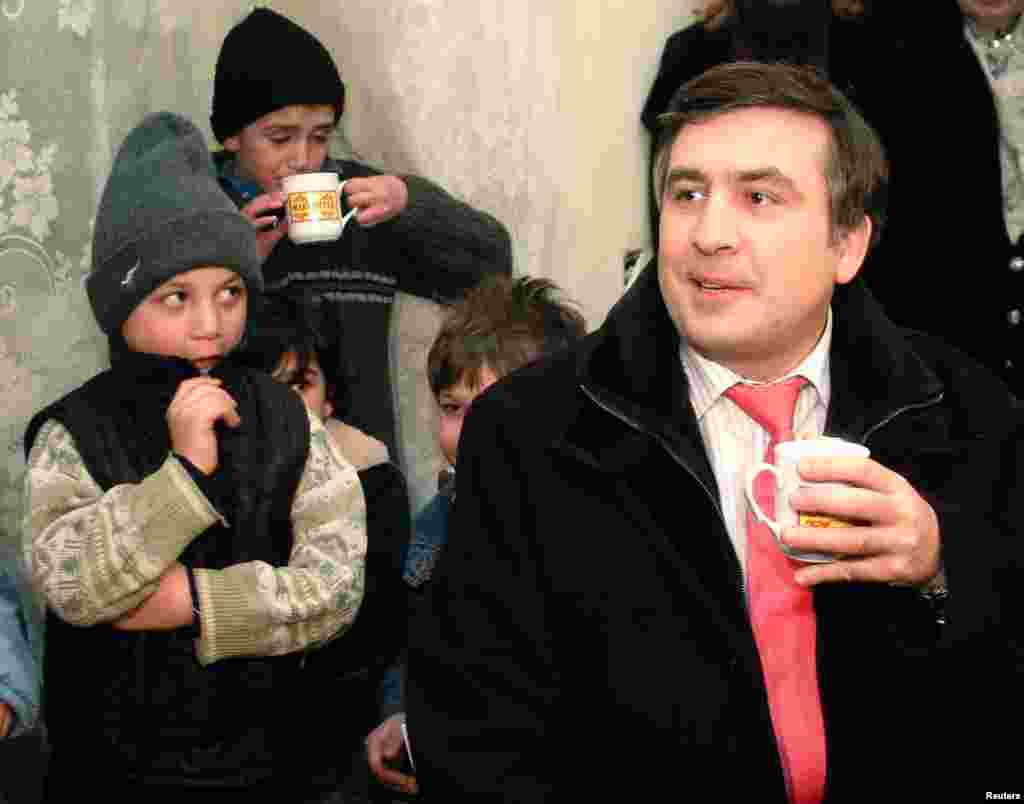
(298,208)
(822,521)
(307,207)
(327,206)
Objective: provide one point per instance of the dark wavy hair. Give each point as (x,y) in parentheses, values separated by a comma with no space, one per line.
(280,324)
(856,170)
(502,324)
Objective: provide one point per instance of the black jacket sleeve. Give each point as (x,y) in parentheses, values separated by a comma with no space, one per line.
(483,691)
(438,247)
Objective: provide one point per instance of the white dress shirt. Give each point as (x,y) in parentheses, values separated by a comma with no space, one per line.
(734,441)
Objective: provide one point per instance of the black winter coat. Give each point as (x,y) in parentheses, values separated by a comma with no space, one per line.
(586,638)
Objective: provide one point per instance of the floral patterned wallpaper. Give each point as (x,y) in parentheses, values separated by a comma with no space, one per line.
(42,263)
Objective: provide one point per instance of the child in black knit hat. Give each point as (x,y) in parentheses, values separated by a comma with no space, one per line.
(191,526)
(275,118)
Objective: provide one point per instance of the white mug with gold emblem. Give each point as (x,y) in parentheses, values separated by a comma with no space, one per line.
(313,207)
(788,480)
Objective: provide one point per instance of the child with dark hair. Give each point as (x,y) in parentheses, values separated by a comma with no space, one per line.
(191,526)
(500,326)
(284,337)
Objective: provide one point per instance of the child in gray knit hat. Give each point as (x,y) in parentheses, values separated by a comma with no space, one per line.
(192,528)
(276,119)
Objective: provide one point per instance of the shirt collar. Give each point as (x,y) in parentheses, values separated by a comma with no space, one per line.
(246,189)
(709,380)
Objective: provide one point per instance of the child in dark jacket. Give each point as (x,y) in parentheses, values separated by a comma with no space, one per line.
(192,528)
(284,338)
(499,326)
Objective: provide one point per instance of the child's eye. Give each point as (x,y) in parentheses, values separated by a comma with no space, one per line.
(450,409)
(174,299)
(759,198)
(232,293)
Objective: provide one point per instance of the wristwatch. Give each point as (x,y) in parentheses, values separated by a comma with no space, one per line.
(935,593)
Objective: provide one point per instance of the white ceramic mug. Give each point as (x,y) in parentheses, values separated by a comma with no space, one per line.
(788,480)
(313,207)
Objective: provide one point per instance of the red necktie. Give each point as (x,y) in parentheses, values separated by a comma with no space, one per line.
(782,612)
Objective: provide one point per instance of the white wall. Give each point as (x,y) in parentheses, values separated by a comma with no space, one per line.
(528,109)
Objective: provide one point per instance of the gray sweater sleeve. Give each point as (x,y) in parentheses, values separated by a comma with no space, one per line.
(438,246)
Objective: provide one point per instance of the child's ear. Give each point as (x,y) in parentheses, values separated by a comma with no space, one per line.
(327,410)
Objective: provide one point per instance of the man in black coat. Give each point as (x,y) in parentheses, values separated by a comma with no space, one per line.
(587,636)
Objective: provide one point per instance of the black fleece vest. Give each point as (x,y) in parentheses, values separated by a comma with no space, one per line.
(138,705)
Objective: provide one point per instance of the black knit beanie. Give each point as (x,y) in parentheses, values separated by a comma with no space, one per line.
(162,213)
(268,62)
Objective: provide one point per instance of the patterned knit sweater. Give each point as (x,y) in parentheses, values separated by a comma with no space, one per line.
(96,554)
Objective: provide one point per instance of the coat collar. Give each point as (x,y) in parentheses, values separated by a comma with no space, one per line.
(632,367)
(152,380)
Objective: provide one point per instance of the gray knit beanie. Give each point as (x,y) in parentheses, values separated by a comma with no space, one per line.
(163,213)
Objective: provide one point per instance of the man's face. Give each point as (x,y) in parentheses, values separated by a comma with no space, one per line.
(454,403)
(747,259)
(992,14)
(285,142)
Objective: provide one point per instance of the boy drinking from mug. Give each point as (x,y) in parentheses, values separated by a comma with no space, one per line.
(276,121)
(190,525)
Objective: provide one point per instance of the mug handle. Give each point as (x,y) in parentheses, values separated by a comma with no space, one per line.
(759,514)
(346,218)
